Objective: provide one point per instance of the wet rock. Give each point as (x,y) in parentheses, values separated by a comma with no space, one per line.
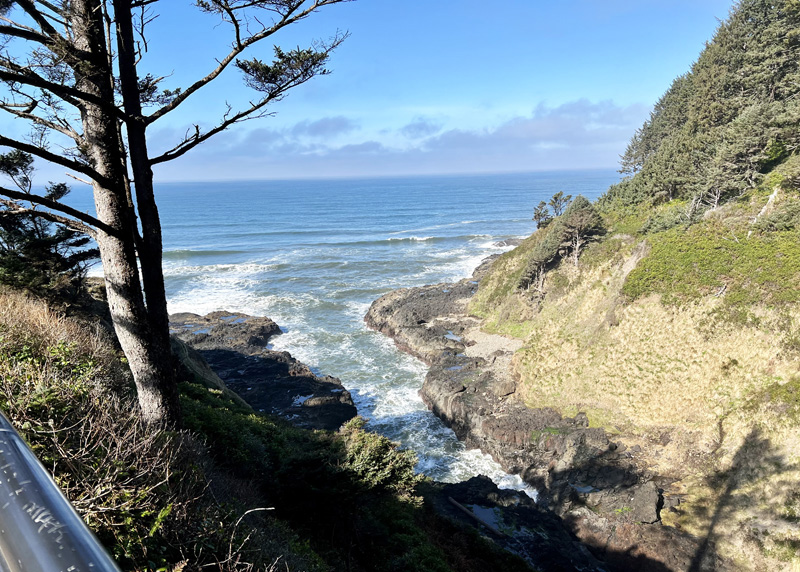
(231,330)
(514,521)
(236,347)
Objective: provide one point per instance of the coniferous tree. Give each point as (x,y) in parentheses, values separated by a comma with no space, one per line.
(44,256)
(558,202)
(65,65)
(581,225)
(729,120)
(541,215)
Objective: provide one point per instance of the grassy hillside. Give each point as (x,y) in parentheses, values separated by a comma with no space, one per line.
(683,340)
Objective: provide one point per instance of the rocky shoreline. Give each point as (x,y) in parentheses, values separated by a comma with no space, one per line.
(593,493)
(236,347)
(601,490)
(234,355)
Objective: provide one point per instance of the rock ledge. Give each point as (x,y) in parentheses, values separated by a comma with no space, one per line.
(235,345)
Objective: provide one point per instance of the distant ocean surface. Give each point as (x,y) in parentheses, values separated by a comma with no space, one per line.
(313,255)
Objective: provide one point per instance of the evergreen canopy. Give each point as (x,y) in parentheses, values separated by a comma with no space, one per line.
(724,124)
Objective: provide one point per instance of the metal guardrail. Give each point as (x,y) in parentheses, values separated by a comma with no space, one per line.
(39,529)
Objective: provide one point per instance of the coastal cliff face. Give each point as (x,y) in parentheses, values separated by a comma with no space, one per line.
(692,364)
(600,487)
(650,392)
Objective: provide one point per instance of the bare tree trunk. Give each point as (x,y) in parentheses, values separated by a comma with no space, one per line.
(577,244)
(151,245)
(148,352)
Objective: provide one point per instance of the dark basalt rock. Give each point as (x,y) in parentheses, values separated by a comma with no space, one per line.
(509,242)
(235,346)
(514,521)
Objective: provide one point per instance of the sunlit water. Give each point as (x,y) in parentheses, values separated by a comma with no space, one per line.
(313,255)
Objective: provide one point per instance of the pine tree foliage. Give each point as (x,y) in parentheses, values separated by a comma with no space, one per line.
(541,215)
(728,121)
(36,254)
(564,235)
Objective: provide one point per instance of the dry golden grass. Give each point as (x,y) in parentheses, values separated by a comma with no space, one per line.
(712,403)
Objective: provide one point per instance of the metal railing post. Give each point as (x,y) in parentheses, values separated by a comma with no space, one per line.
(39,529)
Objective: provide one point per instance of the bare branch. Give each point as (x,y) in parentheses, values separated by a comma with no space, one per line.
(18,31)
(27,77)
(40,18)
(84,181)
(53,158)
(290,17)
(64,128)
(55,205)
(193,141)
(289,70)
(16,73)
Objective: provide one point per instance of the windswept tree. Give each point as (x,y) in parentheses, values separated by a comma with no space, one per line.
(581,225)
(566,234)
(541,215)
(558,202)
(74,70)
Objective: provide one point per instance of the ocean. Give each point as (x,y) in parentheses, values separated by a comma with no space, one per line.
(312,255)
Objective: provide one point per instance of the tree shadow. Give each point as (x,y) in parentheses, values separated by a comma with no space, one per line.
(610,504)
(754,460)
(605,497)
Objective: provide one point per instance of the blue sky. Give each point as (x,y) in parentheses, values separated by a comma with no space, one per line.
(424,87)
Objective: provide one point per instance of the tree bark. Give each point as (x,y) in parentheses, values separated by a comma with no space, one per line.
(150,247)
(145,346)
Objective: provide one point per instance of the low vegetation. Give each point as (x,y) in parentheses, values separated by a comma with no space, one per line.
(233,490)
(682,338)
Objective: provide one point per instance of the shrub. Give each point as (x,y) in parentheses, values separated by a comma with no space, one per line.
(146,493)
(707,260)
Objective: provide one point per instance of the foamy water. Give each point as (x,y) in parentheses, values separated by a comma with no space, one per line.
(313,256)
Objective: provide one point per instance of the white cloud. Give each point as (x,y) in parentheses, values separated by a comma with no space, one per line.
(575,135)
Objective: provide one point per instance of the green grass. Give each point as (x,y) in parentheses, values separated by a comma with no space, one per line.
(707,259)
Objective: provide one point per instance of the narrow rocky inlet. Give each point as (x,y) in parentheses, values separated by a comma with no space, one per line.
(601,489)
(235,347)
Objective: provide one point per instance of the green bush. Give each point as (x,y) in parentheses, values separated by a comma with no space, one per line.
(685,265)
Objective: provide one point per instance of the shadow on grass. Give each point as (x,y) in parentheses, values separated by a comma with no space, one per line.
(754,460)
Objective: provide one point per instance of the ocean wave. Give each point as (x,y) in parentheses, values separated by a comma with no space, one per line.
(415,238)
(438,226)
(221,271)
(190,253)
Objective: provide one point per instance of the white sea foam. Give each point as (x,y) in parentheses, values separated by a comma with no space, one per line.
(174,268)
(411,238)
(357,309)
(436,227)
